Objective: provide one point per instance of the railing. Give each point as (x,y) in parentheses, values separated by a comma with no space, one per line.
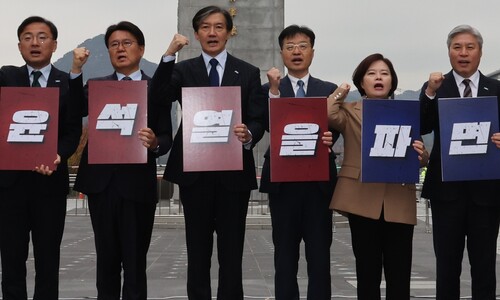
(169,208)
(168,200)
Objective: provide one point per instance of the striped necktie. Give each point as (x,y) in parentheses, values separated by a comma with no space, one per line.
(467,90)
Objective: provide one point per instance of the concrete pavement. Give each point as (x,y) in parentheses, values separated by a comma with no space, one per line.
(167,261)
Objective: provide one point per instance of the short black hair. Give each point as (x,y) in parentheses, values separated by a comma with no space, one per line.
(364,65)
(203,13)
(125,26)
(37,19)
(293,30)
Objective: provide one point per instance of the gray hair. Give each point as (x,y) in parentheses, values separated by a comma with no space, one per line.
(465,29)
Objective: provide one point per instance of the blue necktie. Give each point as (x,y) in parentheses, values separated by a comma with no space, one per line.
(126,78)
(36,75)
(214,75)
(300,92)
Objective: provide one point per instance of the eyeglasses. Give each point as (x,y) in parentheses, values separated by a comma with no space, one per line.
(125,43)
(29,38)
(300,46)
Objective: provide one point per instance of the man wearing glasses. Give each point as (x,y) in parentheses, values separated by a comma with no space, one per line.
(122,197)
(35,202)
(300,210)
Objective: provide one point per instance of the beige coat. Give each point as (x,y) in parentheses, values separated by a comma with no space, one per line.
(365,199)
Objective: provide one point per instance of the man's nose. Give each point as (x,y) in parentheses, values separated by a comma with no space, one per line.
(120,46)
(212,30)
(35,41)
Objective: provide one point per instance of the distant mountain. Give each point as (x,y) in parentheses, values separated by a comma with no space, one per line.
(353,96)
(408,95)
(98,64)
(405,95)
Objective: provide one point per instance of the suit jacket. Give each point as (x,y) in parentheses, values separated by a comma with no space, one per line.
(316,88)
(193,73)
(483,192)
(137,181)
(69,131)
(365,199)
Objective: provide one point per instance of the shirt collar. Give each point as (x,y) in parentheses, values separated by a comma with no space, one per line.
(221,58)
(45,71)
(294,80)
(474,79)
(136,76)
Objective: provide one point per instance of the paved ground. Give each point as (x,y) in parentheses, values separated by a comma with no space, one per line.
(167,263)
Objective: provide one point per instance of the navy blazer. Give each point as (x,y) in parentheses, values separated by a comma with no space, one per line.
(193,73)
(69,132)
(481,191)
(315,88)
(137,181)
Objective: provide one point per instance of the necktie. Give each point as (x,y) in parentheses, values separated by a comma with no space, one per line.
(300,92)
(126,78)
(214,75)
(36,75)
(467,90)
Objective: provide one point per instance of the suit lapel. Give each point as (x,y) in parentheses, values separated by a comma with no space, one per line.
(54,79)
(484,88)
(449,86)
(286,89)
(24,76)
(144,76)
(231,72)
(312,88)
(199,71)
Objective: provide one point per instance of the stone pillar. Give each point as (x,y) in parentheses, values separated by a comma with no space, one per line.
(257,26)
(255,39)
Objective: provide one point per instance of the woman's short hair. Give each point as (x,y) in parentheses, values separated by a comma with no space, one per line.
(364,65)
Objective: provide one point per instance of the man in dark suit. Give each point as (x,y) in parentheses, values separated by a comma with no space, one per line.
(465,211)
(300,210)
(35,202)
(214,201)
(122,197)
